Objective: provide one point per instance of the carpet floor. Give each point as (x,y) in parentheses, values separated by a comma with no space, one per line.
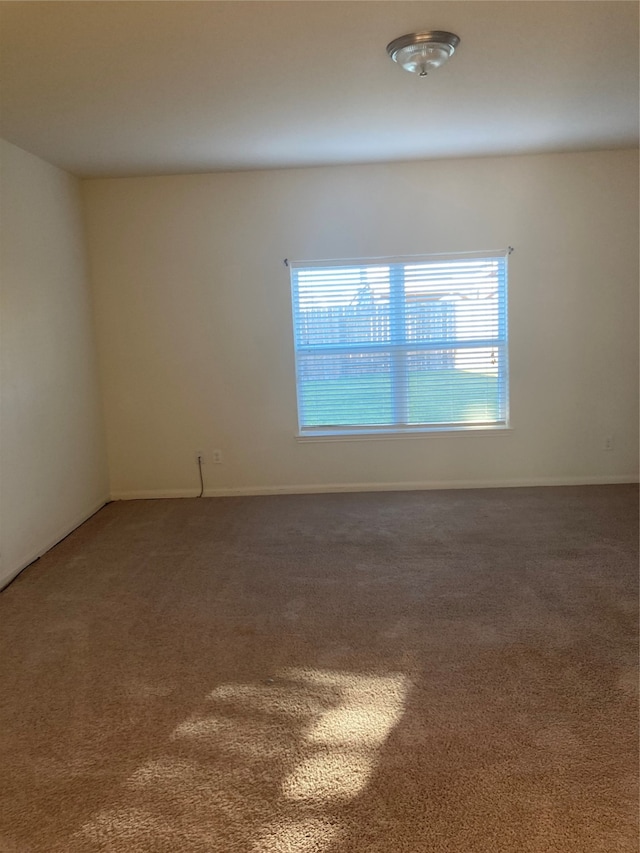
(418,672)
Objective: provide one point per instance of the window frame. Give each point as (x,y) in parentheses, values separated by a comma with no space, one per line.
(396,350)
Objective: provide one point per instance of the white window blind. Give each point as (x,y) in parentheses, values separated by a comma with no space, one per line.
(393,345)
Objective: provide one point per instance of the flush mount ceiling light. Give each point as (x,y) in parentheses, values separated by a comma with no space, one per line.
(423,52)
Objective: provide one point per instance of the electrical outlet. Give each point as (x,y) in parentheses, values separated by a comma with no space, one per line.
(199,457)
(216,457)
(607,442)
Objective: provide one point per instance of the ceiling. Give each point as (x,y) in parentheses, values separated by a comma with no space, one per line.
(139,88)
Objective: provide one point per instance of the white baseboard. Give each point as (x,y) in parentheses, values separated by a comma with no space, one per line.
(317,488)
(46,546)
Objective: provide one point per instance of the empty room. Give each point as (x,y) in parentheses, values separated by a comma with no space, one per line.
(319,393)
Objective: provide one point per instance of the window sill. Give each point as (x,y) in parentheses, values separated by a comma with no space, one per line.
(378,435)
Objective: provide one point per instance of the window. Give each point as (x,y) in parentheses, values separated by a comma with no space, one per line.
(391,345)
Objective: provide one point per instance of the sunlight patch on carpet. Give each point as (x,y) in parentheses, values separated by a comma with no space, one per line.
(317,733)
(335,775)
(202,728)
(350,735)
(287,699)
(252,740)
(310,835)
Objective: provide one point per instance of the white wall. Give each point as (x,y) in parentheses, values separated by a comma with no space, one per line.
(52,452)
(194,322)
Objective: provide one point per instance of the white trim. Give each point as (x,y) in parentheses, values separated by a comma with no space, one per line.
(382,260)
(324,488)
(58,537)
(380,435)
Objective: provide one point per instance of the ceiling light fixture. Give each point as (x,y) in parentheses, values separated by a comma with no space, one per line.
(423,52)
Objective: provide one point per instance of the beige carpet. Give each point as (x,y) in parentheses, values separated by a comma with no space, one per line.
(381,673)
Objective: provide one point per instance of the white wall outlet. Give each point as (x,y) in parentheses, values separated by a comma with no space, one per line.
(216,457)
(607,442)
